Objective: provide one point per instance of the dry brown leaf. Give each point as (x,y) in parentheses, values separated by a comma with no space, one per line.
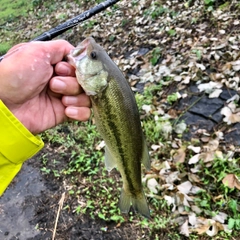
(180,155)
(207,156)
(212,145)
(208,226)
(194,178)
(229,116)
(231,181)
(202,229)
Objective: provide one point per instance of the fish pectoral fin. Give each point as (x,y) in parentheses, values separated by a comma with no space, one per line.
(145,155)
(110,161)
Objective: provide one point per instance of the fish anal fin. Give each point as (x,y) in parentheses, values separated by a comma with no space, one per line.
(110,161)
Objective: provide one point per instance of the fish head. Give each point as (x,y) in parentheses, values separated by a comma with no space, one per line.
(88,59)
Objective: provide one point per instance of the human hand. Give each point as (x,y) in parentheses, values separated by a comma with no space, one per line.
(39,88)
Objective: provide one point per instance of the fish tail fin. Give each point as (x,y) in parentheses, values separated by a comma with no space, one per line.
(139,204)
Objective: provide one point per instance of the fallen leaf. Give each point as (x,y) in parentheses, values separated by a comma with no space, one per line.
(184,229)
(170,202)
(192,218)
(212,145)
(185,187)
(194,159)
(207,156)
(172,177)
(180,155)
(231,181)
(229,116)
(209,87)
(180,128)
(153,185)
(155,147)
(220,217)
(215,93)
(194,149)
(147,108)
(194,178)
(100,145)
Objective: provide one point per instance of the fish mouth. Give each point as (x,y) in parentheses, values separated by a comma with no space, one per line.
(78,53)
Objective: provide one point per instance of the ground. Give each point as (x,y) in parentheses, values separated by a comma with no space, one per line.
(182,61)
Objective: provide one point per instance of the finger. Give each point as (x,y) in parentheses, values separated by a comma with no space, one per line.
(64,69)
(65,85)
(56,50)
(78,113)
(81,100)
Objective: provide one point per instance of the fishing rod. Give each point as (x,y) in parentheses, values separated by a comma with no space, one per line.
(61,28)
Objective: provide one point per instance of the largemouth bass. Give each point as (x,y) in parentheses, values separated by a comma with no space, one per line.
(117,119)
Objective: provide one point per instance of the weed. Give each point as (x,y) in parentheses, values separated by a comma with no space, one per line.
(90,24)
(148,96)
(124,22)
(209,4)
(111,38)
(234,221)
(198,53)
(156,54)
(62,16)
(172,98)
(172,32)
(214,187)
(45,170)
(37,3)
(156,10)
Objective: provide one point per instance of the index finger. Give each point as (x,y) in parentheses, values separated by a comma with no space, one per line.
(56,50)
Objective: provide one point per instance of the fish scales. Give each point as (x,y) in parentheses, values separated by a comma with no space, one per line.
(117,119)
(112,112)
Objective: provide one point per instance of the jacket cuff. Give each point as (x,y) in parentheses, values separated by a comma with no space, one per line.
(17,144)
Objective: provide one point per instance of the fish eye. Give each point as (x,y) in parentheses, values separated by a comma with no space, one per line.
(93,55)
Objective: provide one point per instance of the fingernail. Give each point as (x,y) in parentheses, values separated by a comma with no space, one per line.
(71,112)
(58,85)
(63,70)
(70,100)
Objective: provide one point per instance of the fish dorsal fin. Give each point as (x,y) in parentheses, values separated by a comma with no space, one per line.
(145,155)
(110,161)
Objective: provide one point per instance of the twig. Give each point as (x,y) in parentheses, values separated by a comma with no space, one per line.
(60,203)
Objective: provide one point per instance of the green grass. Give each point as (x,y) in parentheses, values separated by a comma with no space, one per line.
(10,10)
(4,47)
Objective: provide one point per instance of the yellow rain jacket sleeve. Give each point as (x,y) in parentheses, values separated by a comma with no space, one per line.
(17,144)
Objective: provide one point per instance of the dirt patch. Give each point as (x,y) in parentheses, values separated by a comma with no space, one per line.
(28,210)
